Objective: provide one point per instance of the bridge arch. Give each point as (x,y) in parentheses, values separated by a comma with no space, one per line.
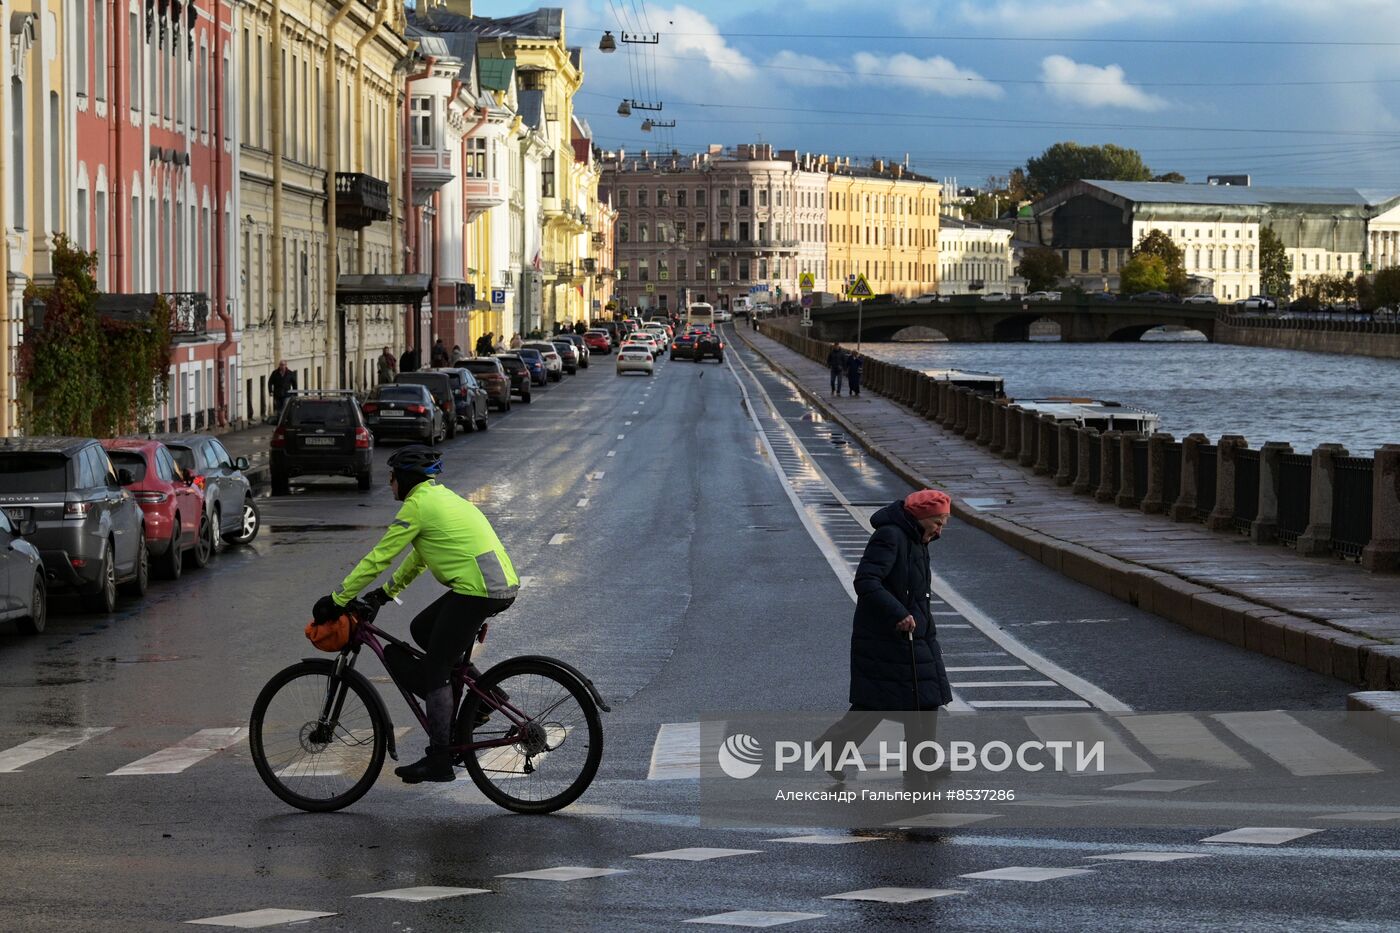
(1013,329)
(919,332)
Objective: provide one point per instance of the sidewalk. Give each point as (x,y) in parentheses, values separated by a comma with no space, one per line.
(1325,614)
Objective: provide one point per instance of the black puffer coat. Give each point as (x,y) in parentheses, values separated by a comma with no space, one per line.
(893,581)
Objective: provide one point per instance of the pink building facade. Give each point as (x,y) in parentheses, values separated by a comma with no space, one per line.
(153,119)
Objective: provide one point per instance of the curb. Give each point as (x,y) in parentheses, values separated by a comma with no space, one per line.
(1220,614)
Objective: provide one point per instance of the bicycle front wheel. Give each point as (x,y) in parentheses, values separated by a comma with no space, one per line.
(318,739)
(551,732)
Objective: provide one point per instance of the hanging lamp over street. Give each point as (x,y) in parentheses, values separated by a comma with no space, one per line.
(608,43)
(624,109)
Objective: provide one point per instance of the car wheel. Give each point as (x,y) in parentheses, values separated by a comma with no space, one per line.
(104,600)
(484,423)
(450,428)
(203,545)
(248,528)
(136,586)
(281,486)
(33,623)
(216,536)
(172,562)
(556,377)
(365,480)
(525,399)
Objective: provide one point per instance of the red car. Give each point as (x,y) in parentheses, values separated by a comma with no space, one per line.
(177,527)
(598,341)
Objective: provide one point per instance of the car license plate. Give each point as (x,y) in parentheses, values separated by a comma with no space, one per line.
(390,413)
(319,441)
(17,513)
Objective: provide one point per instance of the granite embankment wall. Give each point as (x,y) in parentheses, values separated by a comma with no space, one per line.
(1358,338)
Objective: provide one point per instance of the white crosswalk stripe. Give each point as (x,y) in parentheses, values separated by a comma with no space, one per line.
(12,759)
(1181,737)
(676,753)
(1293,745)
(184,753)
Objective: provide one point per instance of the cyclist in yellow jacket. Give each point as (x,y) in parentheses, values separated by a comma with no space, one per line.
(455,542)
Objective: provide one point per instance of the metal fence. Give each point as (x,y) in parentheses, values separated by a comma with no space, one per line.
(1351,505)
(1205,480)
(1294,496)
(1246,489)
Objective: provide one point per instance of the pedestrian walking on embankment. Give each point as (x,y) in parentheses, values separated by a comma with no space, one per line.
(855,368)
(836,363)
(896,663)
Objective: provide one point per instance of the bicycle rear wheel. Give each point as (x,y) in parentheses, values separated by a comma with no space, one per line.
(557,745)
(312,761)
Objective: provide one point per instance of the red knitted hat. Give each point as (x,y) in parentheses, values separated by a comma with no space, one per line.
(928,503)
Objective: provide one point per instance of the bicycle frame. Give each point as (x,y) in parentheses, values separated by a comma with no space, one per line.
(365,634)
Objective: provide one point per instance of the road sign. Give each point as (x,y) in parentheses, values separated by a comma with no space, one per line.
(806,282)
(651,288)
(861,288)
(806,301)
(498,296)
(806,317)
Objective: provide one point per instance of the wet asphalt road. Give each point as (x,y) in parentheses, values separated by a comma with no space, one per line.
(663,556)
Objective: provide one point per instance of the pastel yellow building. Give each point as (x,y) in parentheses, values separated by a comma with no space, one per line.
(882,222)
(321,192)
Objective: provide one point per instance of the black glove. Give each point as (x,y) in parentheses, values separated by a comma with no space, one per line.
(326,609)
(377,597)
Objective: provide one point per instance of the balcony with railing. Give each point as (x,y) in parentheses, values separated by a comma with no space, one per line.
(564,271)
(360,200)
(480,193)
(189,315)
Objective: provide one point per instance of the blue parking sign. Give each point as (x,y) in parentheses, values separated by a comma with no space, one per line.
(498,296)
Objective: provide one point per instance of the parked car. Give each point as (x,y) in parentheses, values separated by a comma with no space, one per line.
(634,358)
(68,501)
(929,298)
(228,495)
(1155,296)
(404,411)
(1102,296)
(518,372)
(722,315)
(707,344)
(553,362)
(683,347)
(539,369)
(1043,296)
(179,529)
(489,371)
(997,296)
(568,354)
(599,341)
(323,434)
(1205,298)
(440,385)
(473,402)
(1258,302)
(24,594)
(580,345)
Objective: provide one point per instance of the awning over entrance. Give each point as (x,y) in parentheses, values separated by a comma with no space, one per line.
(381,289)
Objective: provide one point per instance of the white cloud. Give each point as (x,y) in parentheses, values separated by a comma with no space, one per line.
(808,70)
(689,33)
(936,75)
(1028,16)
(1094,86)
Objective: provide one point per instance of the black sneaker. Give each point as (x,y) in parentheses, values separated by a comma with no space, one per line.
(436,766)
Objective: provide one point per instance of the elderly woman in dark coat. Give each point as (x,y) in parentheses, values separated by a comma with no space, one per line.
(896,664)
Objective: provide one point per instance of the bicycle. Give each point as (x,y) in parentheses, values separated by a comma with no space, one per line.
(319,730)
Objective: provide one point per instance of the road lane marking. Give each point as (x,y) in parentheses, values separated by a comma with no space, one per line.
(893,895)
(1262,835)
(1090,728)
(267,917)
(1182,737)
(564,873)
(1293,745)
(1023,873)
(559,538)
(1148,856)
(425,892)
(698,854)
(612,453)
(991,667)
(12,759)
(754,918)
(1005,683)
(1157,786)
(675,754)
(827,840)
(596,476)
(582,503)
(626,424)
(1029,704)
(186,752)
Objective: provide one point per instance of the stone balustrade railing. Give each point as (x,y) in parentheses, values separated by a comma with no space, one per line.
(1323,502)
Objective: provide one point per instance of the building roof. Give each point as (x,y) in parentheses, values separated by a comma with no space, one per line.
(532,108)
(540,24)
(1165,192)
(946,222)
(439,35)
(495,73)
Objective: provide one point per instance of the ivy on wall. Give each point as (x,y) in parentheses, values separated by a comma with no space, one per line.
(85,375)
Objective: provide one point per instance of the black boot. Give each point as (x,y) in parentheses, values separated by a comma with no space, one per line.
(436,765)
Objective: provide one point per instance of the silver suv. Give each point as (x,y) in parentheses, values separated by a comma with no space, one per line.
(69,501)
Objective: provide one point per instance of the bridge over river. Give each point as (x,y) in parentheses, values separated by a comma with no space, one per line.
(972,320)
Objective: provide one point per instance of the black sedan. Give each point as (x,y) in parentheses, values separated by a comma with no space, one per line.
(404,412)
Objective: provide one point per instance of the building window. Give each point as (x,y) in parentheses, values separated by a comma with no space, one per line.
(743,197)
(699,270)
(547,176)
(99,42)
(724,271)
(743,229)
(663,271)
(643,271)
(663,198)
(724,197)
(680,198)
(642,199)
(763,269)
(644,233)
(1103,260)
(420,121)
(743,270)
(699,197)
(624,233)
(476,157)
(700,230)
(1083,260)
(622,198)
(133,58)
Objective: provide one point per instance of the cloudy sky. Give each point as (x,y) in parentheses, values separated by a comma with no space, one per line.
(1289,91)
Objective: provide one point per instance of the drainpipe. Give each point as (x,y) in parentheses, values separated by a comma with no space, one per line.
(117,181)
(278,248)
(481,121)
(411,215)
(364,40)
(330,98)
(221,352)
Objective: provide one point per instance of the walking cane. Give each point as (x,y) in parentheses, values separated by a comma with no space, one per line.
(914,669)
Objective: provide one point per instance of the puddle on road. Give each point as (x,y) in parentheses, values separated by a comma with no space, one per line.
(143,658)
(316,526)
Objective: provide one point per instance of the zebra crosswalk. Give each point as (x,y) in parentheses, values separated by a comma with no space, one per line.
(31,755)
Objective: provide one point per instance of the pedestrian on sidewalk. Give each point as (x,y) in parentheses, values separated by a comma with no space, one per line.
(438,354)
(281,383)
(408,361)
(896,663)
(386,367)
(456,352)
(515,342)
(836,362)
(855,368)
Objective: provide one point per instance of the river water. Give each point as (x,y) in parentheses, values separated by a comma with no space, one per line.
(1305,399)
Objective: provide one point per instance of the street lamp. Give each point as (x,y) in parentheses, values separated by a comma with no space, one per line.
(608,44)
